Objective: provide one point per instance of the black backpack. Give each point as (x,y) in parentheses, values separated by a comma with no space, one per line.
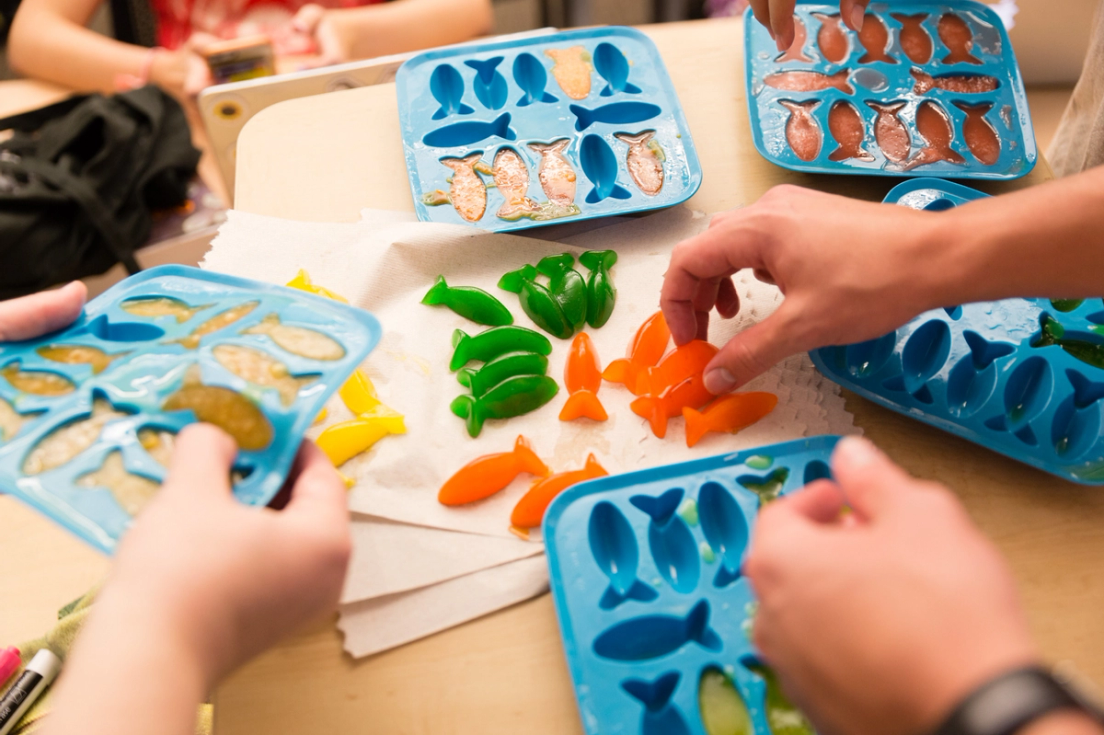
(78,181)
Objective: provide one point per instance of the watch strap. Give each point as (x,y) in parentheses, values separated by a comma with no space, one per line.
(1005,704)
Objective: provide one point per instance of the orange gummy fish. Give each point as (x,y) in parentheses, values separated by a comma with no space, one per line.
(727,414)
(675,383)
(486,475)
(583,377)
(645,352)
(529,512)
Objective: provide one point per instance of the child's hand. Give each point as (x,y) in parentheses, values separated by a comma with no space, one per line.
(32,316)
(229,580)
(879,621)
(324,29)
(777,16)
(850,271)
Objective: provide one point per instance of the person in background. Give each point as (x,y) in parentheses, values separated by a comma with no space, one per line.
(882,607)
(49,40)
(201,583)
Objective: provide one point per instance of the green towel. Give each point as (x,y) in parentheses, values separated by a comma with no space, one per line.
(59,640)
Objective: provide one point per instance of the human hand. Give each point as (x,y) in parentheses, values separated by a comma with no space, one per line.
(879,621)
(183,72)
(850,271)
(32,316)
(224,579)
(325,29)
(777,16)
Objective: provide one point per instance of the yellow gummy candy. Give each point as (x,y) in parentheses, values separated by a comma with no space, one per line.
(359,394)
(349,482)
(321,415)
(343,441)
(302,281)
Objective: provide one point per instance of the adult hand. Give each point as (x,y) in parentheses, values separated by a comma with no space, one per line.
(850,271)
(879,621)
(225,579)
(32,316)
(777,16)
(183,72)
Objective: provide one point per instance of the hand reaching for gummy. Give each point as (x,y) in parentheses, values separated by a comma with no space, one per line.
(777,16)
(845,279)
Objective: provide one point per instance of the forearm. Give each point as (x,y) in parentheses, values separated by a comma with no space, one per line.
(408,25)
(130,673)
(1044,241)
(48,46)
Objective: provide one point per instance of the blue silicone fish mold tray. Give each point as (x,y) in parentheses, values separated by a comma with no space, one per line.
(926,88)
(645,573)
(544,130)
(89,413)
(1024,377)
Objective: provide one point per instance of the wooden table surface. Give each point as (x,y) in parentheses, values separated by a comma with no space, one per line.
(323,159)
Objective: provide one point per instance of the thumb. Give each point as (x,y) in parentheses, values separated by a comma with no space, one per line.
(752,352)
(202,457)
(853,12)
(307,18)
(870,480)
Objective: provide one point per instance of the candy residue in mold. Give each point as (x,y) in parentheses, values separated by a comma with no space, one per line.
(847,127)
(309,343)
(689,512)
(217,322)
(802,131)
(767,488)
(981,137)
(571,70)
(644,160)
(915,40)
(467,193)
(796,51)
(723,710)
(957,83)
(154,307)
(890,132)
(874,37)
(707,554)
(36,382)
(557,176)
(759,462)
(810,81)
(131,491)
(934,125)
(63,444)
(261,369)
(80,355)
(511,176)
(11,421)
(227,409)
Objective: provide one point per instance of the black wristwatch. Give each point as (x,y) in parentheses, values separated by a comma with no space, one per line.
(1004,705)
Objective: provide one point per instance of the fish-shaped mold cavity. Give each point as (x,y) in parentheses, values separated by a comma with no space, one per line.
(816,470)
(219,321)
(782,716)
(470,132)
(924,354)
(934,125)
(661,715)
(158,444)
(571,70)
(36,382)
(890,132)
(832,38)
(467,192)
(725,529)
(957,83)
(556,174)
(511,177)
(1085,392)
(914,38)
(980,135)
(613,544)
(11,421)
(723,710)
(802,130)
(670,540)
(1073,430)
(489,85)
(155,307)
(875,39)
(973,378)
(644,160)
(447,87)
(810,81)
(612,66)
(531,77)
(261,369)
(301,341)
(64,443)
(651,636)
(1027,392)
(796,51)
(847,127)
(766,487)
(617,113)
(103,328)
(94,357)
(600,166)
(956,35)
(225,408)
(863,359)
(131,491)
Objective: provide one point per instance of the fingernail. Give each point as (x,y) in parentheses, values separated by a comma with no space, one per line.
(858,14)
(719,380)
(857,452)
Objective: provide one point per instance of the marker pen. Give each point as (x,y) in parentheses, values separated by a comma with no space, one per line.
(9,662)
(35,678)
